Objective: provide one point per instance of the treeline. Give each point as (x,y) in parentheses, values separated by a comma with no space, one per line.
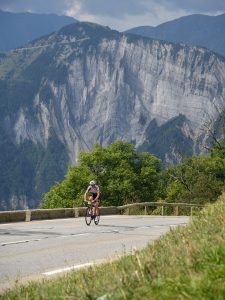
(126,176)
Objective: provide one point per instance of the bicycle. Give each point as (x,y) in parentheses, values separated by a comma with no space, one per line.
(91,214)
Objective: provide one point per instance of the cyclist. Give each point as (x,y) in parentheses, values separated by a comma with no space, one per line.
(93,189)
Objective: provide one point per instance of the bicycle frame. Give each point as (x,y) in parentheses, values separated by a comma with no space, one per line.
(91,214)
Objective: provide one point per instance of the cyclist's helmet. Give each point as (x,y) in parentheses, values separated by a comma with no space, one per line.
(92,182)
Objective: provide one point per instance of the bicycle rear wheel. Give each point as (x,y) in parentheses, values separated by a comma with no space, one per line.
(88,216)
(97,217)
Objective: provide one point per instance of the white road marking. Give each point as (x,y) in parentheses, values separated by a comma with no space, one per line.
(40,239)
(77,267)
(15,242)
(165,225)
(73,235)
(57,237)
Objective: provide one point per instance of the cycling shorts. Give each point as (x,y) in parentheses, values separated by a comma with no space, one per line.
(94,195)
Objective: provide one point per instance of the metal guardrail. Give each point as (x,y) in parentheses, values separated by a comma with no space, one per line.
(176,206)
(45,214)
(57,213)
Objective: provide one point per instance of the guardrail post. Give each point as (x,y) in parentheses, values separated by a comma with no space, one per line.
(28,216)
(176,210)
(162,210)
(145,210)
(191,211)
(76,212)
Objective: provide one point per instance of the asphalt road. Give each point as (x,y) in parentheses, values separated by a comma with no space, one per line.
(37,249)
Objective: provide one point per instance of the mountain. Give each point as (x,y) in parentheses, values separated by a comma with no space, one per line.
(87,84)
(17,29)
(198,30)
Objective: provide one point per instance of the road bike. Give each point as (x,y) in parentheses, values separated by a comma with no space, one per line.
(91,214)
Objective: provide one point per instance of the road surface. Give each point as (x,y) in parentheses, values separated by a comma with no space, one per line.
(37,249)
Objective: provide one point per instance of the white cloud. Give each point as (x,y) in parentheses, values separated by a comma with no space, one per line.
(118,14)
(154,15)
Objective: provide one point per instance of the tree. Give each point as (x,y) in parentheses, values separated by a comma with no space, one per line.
(215,132)
(197,180)
(68,192)
(123,174)
(218,148)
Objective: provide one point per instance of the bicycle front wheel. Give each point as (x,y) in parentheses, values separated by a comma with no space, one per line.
(88,216)
(97,217)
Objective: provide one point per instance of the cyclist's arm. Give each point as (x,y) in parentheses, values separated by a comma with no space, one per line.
(85,194)
(98,194)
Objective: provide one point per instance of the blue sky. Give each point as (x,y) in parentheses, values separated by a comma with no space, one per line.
(118,14)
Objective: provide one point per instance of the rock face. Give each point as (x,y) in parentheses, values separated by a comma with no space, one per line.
(87,84)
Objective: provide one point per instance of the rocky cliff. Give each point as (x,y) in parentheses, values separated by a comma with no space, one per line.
(88,84)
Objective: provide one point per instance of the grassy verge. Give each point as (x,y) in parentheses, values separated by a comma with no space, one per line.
(186,263)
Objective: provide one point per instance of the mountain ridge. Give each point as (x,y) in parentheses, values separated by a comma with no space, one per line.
(86,84)
(17,29)
(200,30)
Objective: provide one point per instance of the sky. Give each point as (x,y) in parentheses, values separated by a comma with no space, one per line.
(118,14)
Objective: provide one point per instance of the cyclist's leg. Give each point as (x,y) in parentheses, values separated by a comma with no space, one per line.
(92,200)
(97,207)
(94,203)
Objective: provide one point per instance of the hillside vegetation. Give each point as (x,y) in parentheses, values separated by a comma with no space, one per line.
(127,176)
(186,263)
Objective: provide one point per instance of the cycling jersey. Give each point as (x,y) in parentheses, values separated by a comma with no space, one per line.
(94,189)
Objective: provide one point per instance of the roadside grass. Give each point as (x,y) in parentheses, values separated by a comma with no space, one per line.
(186,263)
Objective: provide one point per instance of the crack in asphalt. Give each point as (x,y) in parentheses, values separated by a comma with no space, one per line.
(119,230)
